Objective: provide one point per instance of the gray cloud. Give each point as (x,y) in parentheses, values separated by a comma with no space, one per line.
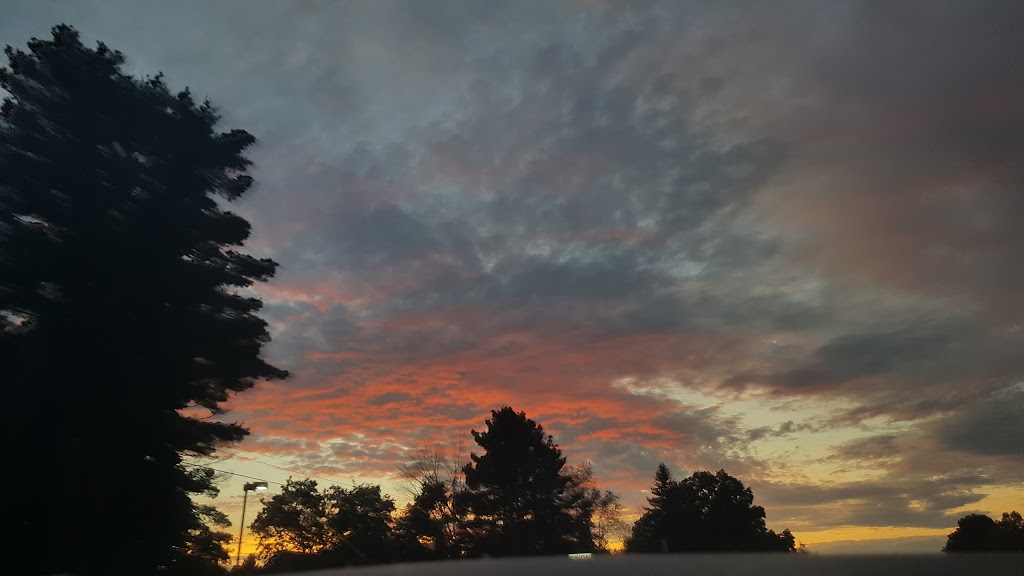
(910,501)
(787,428)
(991,424)
(952,359)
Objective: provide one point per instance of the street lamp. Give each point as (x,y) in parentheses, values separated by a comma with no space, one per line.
(249,486)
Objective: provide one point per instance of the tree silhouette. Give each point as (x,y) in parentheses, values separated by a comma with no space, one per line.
(430,526)
(360,517)
(979,533)
(293,520)
(703,513)
(518,494)
(304,528)
(122,309)
(421,528)
(597,514)
(204,552)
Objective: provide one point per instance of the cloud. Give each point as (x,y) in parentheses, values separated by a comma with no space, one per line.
(950,358)
(990,425)
(390,397)
(785,429)
(691,198)
(780,239)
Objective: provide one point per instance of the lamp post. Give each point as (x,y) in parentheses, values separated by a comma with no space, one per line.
(254,486)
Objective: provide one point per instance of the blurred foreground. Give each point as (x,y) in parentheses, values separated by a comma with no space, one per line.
(1008,564)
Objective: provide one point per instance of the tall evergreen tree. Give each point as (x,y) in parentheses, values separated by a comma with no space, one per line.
(518,493)
(648,534)
(122,303)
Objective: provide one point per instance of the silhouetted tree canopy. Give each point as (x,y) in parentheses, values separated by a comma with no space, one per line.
(519,497)
(430,526)
(304,528)
(703,513)
(361,518)
(979,533)
(123,311)
(295,519)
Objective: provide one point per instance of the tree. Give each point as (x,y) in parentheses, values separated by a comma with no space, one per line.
(703,513)
(431,527)
(979,533)
(204,552)
(518,493)
(293,520)
(360,517)
(597,514)
(122,312)
(304,528)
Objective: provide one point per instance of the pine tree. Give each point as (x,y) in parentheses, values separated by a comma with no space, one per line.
(122,303)
(516,490)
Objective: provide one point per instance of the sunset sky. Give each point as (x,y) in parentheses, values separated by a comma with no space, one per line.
(785,239)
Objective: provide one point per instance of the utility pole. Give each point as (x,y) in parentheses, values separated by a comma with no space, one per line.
(245,497)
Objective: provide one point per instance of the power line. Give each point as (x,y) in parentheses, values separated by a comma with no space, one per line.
(260,454)
(232,473)
(331,481)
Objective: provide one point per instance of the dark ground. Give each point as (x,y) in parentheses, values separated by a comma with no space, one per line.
(710,565)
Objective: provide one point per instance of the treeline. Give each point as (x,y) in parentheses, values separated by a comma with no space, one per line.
(979,533)
(517,497)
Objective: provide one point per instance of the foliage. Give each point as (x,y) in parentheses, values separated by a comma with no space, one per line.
(303,527)
(431,527)
(597,512)
(248,566)
(204,552)
(120,306)
(703,513)
(979,533)
(360,519)
(519,497)
(293,520)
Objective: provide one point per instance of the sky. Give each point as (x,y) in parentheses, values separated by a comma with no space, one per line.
(779,238)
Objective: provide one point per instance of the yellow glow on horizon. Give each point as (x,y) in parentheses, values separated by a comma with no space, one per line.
(862,533)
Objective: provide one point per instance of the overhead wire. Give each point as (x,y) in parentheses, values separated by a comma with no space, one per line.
(191,465)
(331,480)
(311,477)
